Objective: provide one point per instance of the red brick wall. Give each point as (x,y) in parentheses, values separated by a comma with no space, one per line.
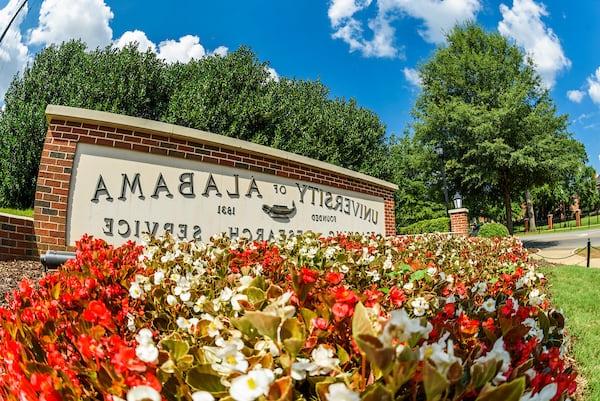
(459,221)
(50,209)
(16,238)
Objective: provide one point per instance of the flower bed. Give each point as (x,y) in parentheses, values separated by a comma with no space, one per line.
(430,317)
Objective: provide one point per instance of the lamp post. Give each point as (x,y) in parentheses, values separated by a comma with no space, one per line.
(440,152)
(457,199)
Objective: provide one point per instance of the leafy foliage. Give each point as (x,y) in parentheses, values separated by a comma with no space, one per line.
(438,225)
(493,230)
(483,103)
(231,95)
(432,317)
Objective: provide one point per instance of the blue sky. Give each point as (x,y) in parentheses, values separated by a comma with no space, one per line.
(362,49)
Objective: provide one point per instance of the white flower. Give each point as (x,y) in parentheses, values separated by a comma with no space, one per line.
(497,353)
(144,336)
(535,298)
(143,393)
(535,331)
(547,393)
(171,299)
(323,360)
(339,392)
(489,305)
(479,288)
(147,352)
(159,275)
(420,306)
(202,396)
(231,359)
(300,368)
(135,291)
(226,294)
(235,301)
(431,271)
(214,327)
(267,346)
(409,286)
(187,324)
(441,354)
(402,327)
(388,265)
(251,386)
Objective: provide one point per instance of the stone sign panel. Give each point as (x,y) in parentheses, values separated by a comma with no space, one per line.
(119,194)
(117,177)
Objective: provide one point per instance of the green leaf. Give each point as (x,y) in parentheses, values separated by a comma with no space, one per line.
(203,378)
(361,324)
(511,391)
(377,392)
(435,384)
(244,325)
(378,355)
(176,348)
(264,323)
(293,336)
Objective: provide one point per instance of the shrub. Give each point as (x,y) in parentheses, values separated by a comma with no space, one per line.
(493,230)
(439,225)
(341,318)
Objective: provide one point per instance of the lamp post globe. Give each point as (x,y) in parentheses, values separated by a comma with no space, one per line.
(457,199)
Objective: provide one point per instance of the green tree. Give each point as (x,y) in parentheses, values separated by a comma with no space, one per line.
(235,96)
(485,105)
(417,172)
(231,95)
(121,81)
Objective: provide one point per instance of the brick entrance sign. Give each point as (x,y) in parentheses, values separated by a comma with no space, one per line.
(117,177)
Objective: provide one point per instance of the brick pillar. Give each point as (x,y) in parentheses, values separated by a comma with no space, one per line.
(550,226)
(459,221)
(578,218)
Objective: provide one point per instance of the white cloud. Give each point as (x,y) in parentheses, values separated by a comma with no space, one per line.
(188,47)
(594,86)
(575,96)
(412,76)
(13,52)
(183,50)
(220,51)
(437,16)
(62,20)
(523,23)
(139,38)
(273,75)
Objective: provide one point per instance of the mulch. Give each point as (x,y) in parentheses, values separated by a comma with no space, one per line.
(12,272)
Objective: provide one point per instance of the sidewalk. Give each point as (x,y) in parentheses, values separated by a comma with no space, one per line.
(563,257)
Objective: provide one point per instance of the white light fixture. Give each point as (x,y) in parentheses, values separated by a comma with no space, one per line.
(457,199)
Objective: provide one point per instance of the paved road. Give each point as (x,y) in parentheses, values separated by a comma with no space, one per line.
(564,240)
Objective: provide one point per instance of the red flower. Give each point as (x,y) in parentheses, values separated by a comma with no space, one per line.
(97,312)
(397,296)
(489,324)
(344,295)
(319,323)
(342,310)
(372,297)
(308,276)
(334,278)
(468,326)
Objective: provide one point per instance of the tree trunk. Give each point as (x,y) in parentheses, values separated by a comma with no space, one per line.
(530,211)
(507,203)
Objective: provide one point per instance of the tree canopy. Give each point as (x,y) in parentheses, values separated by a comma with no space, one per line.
(232,95)
(485,105)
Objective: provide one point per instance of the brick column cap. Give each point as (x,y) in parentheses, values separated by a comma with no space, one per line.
(461,210)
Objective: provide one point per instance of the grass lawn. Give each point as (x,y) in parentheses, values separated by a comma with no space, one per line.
(576,290)
(17,212)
